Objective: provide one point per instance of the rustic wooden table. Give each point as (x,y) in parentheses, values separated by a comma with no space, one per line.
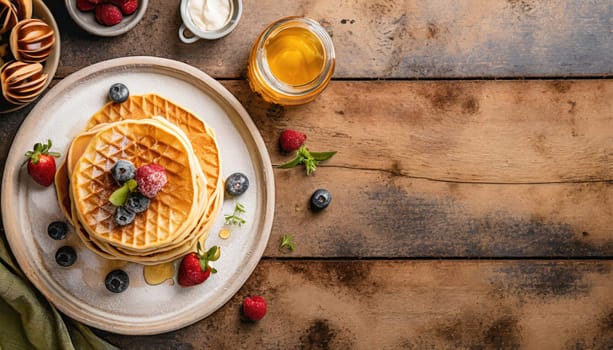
(472,186)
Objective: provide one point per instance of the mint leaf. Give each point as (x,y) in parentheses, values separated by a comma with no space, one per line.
(132,185)
(302,155)
(234,218)
(310,166)
(240,208)
(321,156)
(309,159)
(292,163)
(286,241)
(120,196)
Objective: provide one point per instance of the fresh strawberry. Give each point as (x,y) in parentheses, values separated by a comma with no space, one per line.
(191,272)
(254,308)
(108,14)
(194,268)
(291,140)
(151,178)
(85,5)
(41,164)
(127,7)
(96,2)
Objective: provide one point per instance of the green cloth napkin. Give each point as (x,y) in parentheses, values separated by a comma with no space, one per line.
(28,321)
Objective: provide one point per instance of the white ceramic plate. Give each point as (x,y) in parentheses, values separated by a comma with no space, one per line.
(79,290)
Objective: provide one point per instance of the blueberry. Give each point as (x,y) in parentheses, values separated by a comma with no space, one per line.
(123,170)
(320,199)
(57,230)
(118,93)
(65,256)
(117,281)
(237,184)
(124,216)
(137,203)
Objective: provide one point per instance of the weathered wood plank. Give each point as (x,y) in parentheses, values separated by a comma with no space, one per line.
(401,181)
(10,125)
(411,305)
(385,39)
(376,214)
(470,131)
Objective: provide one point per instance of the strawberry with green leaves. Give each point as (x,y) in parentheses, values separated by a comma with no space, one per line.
(41,163)
(194,268)
(292,140)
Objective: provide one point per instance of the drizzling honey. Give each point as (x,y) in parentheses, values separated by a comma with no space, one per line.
(295,56)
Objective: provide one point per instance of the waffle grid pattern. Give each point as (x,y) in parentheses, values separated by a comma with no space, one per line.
(149,105)
(94,185)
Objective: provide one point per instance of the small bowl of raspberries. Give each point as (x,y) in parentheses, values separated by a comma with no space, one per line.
(106,17)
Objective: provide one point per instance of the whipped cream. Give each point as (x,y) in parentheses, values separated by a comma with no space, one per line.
(210,14)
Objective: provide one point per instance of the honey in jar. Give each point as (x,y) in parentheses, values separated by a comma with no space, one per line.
(292,61)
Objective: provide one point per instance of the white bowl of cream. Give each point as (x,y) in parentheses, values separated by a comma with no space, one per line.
(208,19)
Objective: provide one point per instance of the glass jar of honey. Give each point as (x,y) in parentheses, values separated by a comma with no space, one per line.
(291,62)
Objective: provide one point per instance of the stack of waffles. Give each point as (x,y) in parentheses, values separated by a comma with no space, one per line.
(144,129)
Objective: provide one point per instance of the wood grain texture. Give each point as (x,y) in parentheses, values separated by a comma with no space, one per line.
(376,214)
(411,305)
(470,131)
(384,38)
(10,124)
(449,169)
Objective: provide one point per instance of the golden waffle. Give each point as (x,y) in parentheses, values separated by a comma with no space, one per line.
(110,252)
(62,182)
(146,106)
(167,253)
(107,251)
(191,224)
(62,179)
(140,142)
(199,134)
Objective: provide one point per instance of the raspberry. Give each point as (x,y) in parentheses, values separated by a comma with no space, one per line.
(151,178)
(127,7)
(108,14)
(254,308)
(85,5)
(291,140)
